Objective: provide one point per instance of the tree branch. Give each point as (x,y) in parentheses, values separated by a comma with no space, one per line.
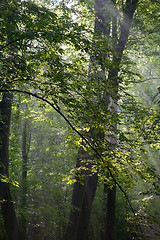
(79,133)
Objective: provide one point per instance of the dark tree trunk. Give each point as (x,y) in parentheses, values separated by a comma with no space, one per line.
(82,200)
(7,207)
(84,216)
(77,198)
(110,213)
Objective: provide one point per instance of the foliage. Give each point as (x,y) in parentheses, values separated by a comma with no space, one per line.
(49,162)
(46,50)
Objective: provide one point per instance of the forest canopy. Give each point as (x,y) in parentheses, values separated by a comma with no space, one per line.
(79,119)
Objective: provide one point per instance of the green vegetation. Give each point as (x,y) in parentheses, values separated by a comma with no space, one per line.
(79,120)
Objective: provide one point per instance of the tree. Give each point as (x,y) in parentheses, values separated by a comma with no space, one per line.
(26,141)
(109,101)
(7,207)
(30,23)
(94,102)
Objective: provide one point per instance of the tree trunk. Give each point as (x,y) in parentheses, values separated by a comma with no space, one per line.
(25,150)
(84,216)
(7,207)
(85,187)
(130,7)
(110,213)
(82,198)
(77,197)
(105,12)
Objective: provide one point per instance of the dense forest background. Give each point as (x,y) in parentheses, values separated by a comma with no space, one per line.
(79,120)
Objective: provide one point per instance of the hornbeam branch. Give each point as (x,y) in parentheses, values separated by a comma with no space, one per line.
(79,133)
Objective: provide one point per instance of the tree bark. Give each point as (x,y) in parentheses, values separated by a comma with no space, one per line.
(110,212)
(7,207)
(89,194)
(77,197)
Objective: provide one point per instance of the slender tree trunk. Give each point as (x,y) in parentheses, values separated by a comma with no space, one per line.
(25,150)
(7,207)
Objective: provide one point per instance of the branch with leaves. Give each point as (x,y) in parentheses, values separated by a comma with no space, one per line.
(57,109)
